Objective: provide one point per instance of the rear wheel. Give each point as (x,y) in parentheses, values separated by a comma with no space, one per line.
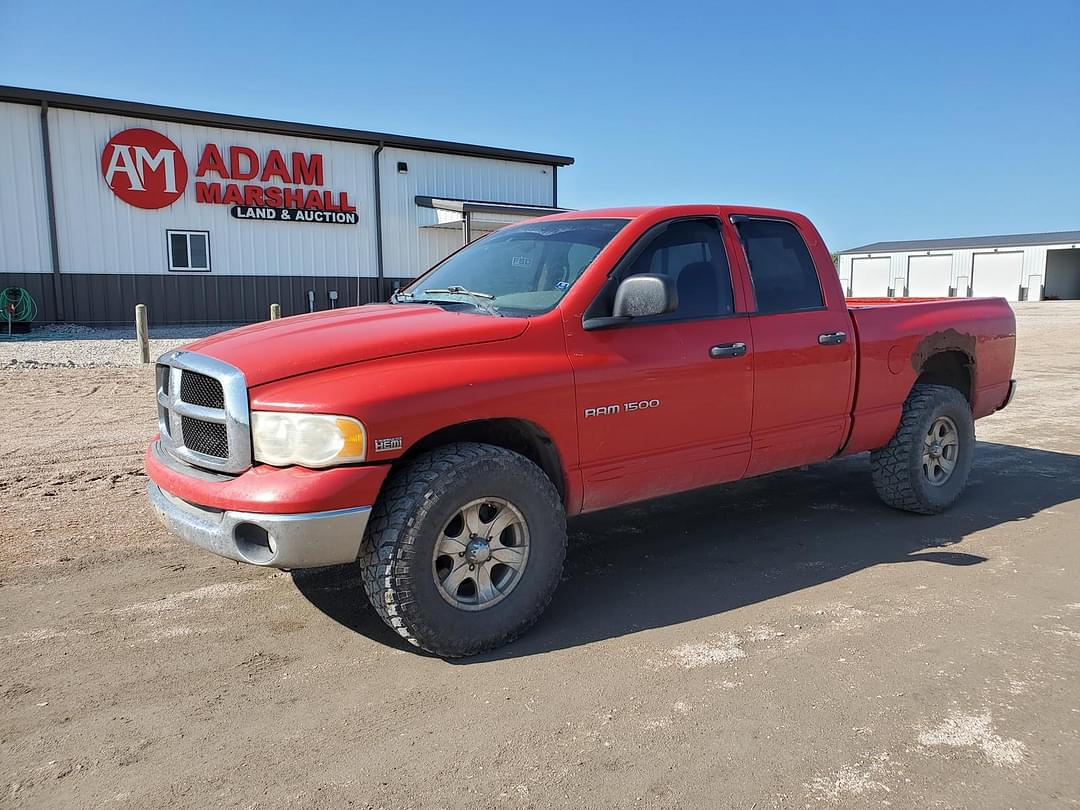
(464,548)
(925,465)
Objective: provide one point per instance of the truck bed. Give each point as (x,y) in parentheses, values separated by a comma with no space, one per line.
(864,303)
(895,336)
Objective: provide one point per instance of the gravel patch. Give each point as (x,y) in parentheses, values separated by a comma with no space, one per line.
(71,346)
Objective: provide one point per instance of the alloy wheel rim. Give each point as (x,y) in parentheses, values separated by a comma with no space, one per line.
(480,554)
(941,448)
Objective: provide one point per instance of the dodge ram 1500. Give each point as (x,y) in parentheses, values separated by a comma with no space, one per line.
(567,364)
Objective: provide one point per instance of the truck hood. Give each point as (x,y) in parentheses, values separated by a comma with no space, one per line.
(274,350)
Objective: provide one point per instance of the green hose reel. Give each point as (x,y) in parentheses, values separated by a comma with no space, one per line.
(16,306)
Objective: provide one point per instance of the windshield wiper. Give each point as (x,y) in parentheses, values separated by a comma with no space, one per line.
(457,289)
(410,298)
(480,299)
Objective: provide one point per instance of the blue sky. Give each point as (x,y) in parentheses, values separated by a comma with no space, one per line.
(880,121)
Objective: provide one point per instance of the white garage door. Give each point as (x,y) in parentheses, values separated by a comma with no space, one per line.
(997,274)
(928,276)
(870,277)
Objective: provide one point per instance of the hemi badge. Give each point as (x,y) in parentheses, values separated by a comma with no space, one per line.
(386,445)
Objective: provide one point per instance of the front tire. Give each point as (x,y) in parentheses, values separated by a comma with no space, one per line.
(464,549)
(925,465)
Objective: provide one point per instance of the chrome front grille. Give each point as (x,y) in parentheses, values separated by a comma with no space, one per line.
(208,438)
(203,413)
(198,389)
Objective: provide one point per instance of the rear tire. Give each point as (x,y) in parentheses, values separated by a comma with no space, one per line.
(464,549)
(925,465)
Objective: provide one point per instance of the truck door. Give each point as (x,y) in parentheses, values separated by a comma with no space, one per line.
(664,402)
(803,349)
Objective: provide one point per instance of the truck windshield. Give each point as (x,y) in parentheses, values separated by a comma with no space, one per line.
(522,270)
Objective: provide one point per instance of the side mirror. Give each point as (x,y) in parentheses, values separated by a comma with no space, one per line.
(638,297)
(645,294)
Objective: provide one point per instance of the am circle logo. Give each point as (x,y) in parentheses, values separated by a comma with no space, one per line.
(144,168)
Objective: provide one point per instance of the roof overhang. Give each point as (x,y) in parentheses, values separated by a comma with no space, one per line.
(1013,240)
(134,109)
(450,213)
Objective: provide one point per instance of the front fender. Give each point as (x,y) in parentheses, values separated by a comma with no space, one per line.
(403,399)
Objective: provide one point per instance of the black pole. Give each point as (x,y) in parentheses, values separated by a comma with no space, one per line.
(50,203)
(380,273)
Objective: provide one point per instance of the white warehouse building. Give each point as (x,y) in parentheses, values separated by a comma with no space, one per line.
(209,217)
(1018,267)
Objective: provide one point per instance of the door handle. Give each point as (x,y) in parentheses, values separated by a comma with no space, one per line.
(832,338)
(727,350)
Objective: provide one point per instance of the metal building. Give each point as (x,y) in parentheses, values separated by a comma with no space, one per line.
(1018,267)
(207,217)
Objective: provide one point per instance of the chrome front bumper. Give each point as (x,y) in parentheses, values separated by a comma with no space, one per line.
(278,541)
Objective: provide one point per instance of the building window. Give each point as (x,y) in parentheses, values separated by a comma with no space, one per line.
(189,251)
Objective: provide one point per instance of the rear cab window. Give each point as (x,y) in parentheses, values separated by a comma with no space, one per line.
(782,270)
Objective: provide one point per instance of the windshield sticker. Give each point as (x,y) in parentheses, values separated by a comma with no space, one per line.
(562,285)
(520,261)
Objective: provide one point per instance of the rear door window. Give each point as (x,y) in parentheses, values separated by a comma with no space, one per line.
(781,268)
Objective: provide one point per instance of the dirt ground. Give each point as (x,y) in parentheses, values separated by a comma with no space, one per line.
(783,642)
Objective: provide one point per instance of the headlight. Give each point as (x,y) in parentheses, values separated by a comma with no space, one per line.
(307,439)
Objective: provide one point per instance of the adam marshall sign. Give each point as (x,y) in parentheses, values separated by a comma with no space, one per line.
(147,170)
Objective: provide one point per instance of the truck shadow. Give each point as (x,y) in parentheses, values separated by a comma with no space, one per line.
(680,558)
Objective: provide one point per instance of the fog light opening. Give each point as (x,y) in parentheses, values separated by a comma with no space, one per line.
(254,543)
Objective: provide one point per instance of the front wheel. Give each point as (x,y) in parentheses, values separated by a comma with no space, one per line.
(925,465)
(464,548)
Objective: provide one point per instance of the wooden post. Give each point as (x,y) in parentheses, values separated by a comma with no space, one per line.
(275,311)
(142,333)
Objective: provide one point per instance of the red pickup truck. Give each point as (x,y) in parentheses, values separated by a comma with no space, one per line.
(567,364)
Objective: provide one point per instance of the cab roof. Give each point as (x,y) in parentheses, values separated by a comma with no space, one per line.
(662,211)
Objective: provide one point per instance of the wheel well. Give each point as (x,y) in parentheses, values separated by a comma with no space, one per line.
(952,368)
(517,435)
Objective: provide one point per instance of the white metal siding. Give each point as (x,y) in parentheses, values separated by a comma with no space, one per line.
(929,276)
(843,270)
(1031,272)
(409,250)
(997,274)
(870,278)
(24,220)
(99,233)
